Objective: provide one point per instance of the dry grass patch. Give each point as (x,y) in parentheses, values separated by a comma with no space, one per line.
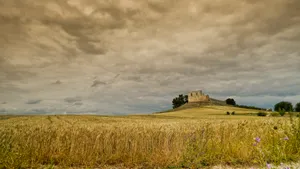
(158,141)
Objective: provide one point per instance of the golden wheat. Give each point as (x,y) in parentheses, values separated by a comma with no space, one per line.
(154,141)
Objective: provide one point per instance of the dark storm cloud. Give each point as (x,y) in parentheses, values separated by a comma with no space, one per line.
(78,103)
(73,99)
(33,101)
(147,48)
(58,82)
(97,83)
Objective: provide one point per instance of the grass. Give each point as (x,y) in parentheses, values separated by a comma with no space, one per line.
(213,112)
(191,138)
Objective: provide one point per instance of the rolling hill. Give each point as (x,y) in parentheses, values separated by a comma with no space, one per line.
(213,109)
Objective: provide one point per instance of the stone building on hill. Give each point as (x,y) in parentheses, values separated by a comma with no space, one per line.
(197,97)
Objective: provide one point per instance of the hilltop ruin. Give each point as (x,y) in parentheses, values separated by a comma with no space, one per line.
(198,97)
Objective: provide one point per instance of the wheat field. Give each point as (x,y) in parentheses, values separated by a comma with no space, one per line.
(193,138)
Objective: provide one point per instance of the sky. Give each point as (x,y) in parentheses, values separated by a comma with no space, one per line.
(134,56)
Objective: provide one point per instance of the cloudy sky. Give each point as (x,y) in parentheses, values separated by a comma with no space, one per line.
(134,56)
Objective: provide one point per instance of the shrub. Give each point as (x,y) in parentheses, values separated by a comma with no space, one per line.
(228,113)
(275,114)
(261,114)
(281,112)
(233,113)
(292,114)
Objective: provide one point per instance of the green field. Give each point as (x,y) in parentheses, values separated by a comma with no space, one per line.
(190,138)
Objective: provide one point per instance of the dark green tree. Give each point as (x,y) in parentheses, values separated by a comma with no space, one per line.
(297,107)
(186,99)
(287,106)
(230,101)
(179,101)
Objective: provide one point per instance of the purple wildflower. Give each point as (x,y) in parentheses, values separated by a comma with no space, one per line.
(257,139)
(286,138)
(287,168)
(269,166)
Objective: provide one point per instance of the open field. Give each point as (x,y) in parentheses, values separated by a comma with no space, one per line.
(191,138)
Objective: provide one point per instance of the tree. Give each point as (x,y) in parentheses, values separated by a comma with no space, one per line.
(186,99)
(297,107)
(179,101)
(230,101)
(287,106)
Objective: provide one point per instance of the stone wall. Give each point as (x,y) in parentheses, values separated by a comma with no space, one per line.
(197,96)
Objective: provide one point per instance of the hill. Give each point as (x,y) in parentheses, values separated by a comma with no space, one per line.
(210,111)
(207,110)
(212,102)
